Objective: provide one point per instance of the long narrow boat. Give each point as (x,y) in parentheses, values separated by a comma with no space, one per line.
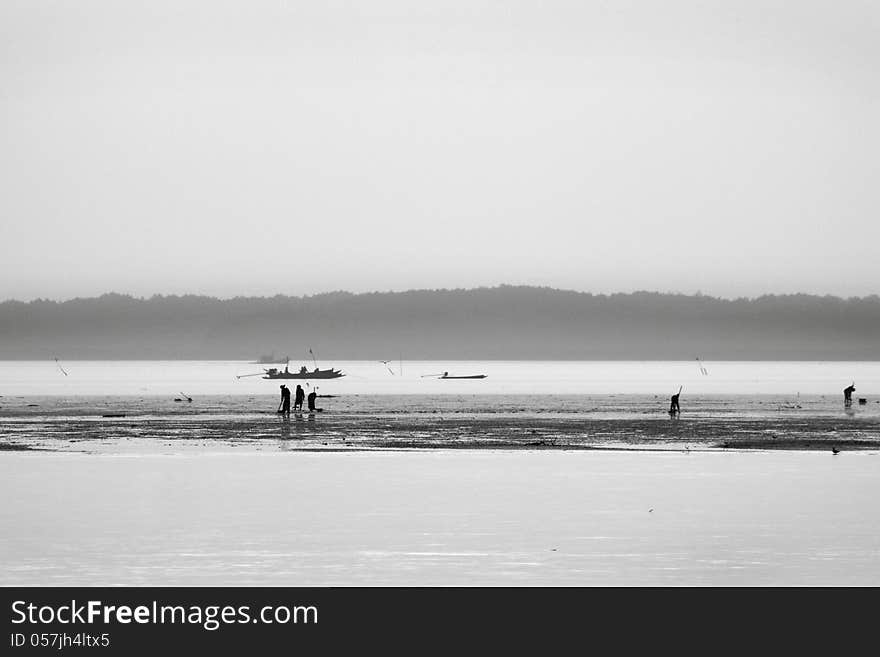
(303,373)
(470,376)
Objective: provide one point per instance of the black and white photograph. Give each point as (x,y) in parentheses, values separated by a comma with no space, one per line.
(453,294)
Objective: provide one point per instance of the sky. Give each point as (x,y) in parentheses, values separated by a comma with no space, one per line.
(264,147)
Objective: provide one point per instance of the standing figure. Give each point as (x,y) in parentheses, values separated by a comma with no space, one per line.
(312,396)
(847,394)
(674,408)
(300,395)
(284,407)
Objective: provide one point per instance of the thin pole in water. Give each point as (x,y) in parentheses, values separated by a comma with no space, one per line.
(241,376)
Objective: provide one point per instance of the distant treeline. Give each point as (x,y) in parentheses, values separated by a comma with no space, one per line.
(504,322)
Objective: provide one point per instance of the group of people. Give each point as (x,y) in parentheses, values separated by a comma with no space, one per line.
(284,407)
(302,370)
(674,407)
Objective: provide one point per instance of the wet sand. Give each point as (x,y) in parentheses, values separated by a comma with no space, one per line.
(129,424)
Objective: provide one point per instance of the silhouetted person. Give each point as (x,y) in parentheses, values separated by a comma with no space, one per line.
(312,396)
(303,370)
(284,407)
(300,395)
(847,394)
(286,371)
(674,408)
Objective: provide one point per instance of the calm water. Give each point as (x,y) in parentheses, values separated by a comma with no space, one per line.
(441,518)
(38,378)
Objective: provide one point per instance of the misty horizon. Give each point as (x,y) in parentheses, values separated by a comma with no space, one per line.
(353,291)
(505,322)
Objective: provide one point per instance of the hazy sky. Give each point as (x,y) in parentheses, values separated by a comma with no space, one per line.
(296,147)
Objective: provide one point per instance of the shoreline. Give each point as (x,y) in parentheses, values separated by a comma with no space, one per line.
(372,432)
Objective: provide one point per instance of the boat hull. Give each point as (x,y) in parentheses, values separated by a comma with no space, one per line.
(473,376)
(305,375)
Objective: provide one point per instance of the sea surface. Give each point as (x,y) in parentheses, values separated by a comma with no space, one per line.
(172,378)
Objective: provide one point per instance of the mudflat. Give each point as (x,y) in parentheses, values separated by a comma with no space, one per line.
(125,424)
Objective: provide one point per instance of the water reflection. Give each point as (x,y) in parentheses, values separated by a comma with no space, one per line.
(411,519)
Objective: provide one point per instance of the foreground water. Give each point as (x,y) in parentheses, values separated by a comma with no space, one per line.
(441,518)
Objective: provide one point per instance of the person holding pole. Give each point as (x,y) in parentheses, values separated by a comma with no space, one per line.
(674,408)
(284,406)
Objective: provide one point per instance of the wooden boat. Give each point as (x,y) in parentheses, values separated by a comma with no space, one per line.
(275,373)
(470,376)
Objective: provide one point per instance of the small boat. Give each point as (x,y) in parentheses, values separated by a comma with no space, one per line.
(275,373)
(470,376)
